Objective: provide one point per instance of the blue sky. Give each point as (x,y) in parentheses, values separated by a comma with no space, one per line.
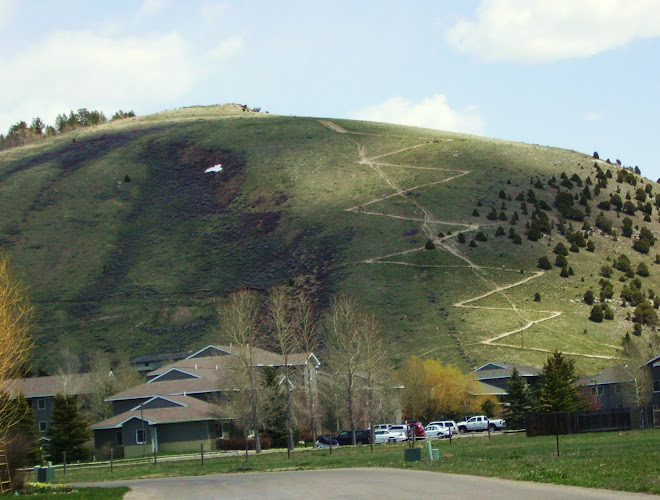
(578,74)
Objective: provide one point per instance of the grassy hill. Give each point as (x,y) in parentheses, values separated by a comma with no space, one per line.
(127,244)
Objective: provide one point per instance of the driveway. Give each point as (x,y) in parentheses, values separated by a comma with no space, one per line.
(353,483)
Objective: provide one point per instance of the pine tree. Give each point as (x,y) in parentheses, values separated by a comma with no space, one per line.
(68,431)
(557,389)
(519,401)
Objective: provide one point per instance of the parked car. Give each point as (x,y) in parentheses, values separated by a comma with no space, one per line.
(450,425)
(401,430)
(388,437)
(323,441)
(480,423)
(435,431)
(416,430)
(362,436)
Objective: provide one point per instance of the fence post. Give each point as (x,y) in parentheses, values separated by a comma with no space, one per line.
(154,458)
(557,433)
(201,449)
(112,452)
(64,465)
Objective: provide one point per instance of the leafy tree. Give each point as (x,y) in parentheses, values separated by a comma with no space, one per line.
(564,272)
(500,231)
(68,431)
(608,313)
(480,236)
(15,342)
(591,247)
(519,401)
(596,314)
(557,386)
(560,261)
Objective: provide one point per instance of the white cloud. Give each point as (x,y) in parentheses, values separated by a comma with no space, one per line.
(151,7)
(542,31)
(75,69)
(6,11)
(433,112)
(594,116)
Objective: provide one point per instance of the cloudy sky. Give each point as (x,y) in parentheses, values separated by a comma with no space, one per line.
(578,74)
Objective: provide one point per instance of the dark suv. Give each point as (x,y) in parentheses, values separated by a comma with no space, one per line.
(362,436)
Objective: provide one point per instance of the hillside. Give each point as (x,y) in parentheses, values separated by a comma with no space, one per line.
(127,244)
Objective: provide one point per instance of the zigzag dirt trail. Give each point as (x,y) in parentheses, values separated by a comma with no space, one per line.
(445,243)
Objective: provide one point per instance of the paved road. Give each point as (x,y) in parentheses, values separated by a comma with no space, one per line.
(354,483)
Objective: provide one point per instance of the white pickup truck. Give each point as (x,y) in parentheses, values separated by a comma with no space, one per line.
(480,423)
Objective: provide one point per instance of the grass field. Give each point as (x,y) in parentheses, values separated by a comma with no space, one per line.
(617,461)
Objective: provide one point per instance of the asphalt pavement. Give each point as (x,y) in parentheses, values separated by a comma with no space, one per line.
(354,483)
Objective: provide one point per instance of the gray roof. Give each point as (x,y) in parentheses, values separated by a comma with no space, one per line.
(183,409)
(491,371)
(149,358)
(35,387)
(610,375)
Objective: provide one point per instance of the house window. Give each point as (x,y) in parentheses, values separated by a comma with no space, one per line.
(600,390)
(41,404)
(119,438)
(43,426)
(656,386)
(140,436)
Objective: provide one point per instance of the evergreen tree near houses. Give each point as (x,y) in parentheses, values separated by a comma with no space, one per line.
(557,386)
(68,432)
(519,401)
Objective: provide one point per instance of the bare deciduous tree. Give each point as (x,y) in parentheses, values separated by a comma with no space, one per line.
(308,338)
(355,353)
(283,322)
(238,322)
(15,341)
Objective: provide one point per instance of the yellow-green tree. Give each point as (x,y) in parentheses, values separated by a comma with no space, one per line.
(15,342)
(433,390)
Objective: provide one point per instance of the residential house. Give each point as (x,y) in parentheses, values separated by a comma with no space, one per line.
(606,389)
(494,377)
(176,408)
(150,362)
(654,365)
(40,392)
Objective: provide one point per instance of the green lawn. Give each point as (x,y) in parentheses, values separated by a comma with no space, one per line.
(618,461)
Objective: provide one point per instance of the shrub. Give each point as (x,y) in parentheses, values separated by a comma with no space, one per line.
(574,248)
(500,231)
(560,249)
(564,272)
(606,271)
(641,246)
(475,213)
(429,245)
(642,270)
(544,263)
(596,314)
(473,244)
(608,313)
(590,246)
(480,236)
(589,297)
(537,297)
(646,314)
(560,261)
(461,238)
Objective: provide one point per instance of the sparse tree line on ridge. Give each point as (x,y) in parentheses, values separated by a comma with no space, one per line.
(22,133)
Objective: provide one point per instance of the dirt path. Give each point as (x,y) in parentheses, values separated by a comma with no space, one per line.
(445,243)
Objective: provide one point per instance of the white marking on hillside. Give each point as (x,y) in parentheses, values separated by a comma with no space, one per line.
(214,168)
